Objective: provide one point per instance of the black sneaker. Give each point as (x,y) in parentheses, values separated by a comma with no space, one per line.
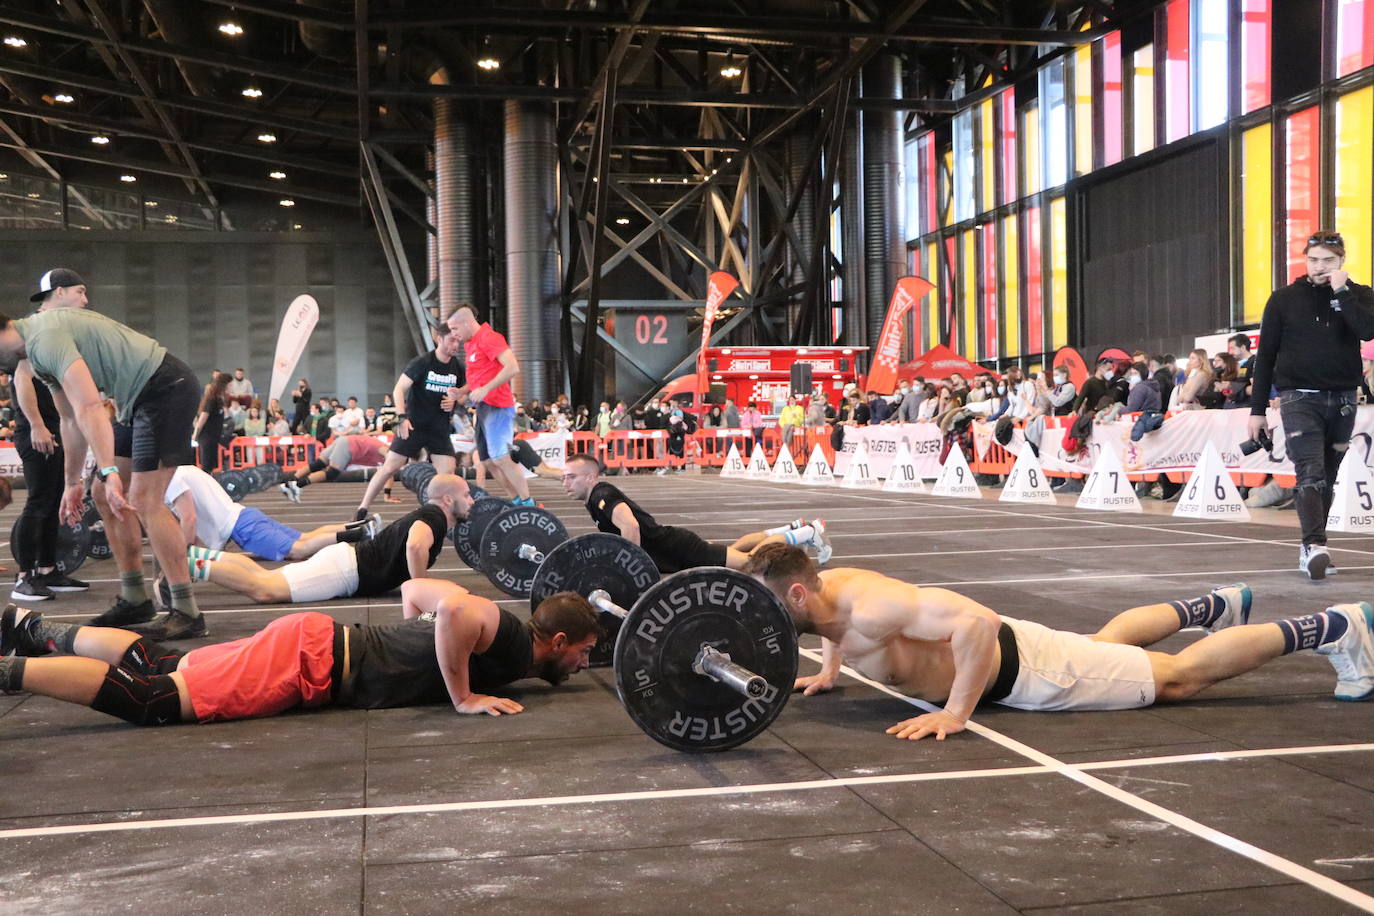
(30,588)
(124,613)
(360,515)
(16,633)
(58,581)
(174,625)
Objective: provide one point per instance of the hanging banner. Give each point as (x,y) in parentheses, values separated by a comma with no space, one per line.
(887,356)
(718,288)
(296,327)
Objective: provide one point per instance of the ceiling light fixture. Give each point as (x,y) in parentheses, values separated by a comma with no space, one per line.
(485,58)
(267,138)
(128,179)
(623,221)
(65,98)
(231,28)
(170,218)
(252,92)
(731,70)
(14,41)
(287,202)
(150,203)
(100,139)
(297,226)
(277,175)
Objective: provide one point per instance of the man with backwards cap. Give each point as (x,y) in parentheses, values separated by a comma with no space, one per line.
(78,353)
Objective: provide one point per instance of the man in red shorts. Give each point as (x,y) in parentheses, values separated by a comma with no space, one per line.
(491,364)
(344,452)
(307,660)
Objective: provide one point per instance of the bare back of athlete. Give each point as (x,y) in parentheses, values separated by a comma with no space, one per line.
(892,631)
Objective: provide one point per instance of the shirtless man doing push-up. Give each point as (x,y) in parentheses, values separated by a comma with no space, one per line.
(939,646)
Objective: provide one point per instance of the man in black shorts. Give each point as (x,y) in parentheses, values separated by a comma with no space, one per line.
(425,395)
(523,454)
(78,353)
(674,549)
(306,660)
(403,550)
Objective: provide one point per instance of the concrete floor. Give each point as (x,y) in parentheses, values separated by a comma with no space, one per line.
(1257,796)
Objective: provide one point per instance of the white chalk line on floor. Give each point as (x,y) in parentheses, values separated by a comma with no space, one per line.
(1078,773)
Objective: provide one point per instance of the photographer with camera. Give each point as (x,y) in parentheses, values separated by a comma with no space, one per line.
(1310,350)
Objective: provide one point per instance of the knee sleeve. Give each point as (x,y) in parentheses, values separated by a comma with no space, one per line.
(146,658)
(331,474)
(319,464)
(142,701)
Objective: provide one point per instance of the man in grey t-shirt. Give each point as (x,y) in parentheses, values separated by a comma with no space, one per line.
(78,354)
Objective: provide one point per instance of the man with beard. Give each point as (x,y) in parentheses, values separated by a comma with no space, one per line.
(452,647)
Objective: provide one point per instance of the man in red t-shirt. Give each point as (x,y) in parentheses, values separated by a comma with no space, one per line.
(491,365)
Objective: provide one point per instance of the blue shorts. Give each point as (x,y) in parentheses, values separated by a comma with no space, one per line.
(262,536)
(495,430)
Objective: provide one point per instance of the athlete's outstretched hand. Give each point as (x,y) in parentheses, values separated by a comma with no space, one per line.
(813,684)
(492,706)
(938,724)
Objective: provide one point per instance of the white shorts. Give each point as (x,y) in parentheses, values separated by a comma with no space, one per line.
(1062,671)
(331,573)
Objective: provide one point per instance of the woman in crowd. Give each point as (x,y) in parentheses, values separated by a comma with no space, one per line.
(1198,381)
(255,424)
(386,417)
(582,423)
(790,420)
(714,418)
(277,425)
(210,422)
(300,399)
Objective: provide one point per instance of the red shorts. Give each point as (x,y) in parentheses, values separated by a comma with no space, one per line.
(285,664)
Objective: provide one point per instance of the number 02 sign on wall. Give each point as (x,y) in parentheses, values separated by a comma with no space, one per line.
(657,340)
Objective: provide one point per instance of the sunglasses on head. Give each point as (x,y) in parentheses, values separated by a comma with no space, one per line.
(1327,238)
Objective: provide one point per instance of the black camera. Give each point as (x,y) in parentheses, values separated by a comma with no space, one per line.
(1261,441)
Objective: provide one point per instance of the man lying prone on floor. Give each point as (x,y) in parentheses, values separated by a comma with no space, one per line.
(939,646)
(452,646)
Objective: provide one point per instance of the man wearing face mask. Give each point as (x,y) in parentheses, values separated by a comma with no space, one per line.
(909,407)
(1310,350)
(1096,386)
(1062,394)
(1144,390)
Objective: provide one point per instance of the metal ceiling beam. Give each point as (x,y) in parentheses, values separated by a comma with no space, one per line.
(296,12)
(639,96)
(236,62)
(610,64)
(66,79)
(32,156)
(725,27)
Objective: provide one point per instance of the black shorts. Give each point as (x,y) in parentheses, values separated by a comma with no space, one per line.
(163,416)
(434,441)
(676,549)
(123,440)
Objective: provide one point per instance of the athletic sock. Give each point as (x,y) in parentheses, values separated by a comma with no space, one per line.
(183,601)
(198,563)
(351,535)
(781,529)
(799,537)
(302,481)
(1199,612)
(60,637)
(361,514)
(357,523)
(132,588)
(12,673)
(1312,631)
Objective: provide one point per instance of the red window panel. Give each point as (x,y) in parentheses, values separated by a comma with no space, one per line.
(987,236)
(1354,35)
(1178,114)
(1034,296)
(1006,137)
(1111,121)
(1302,200)
(1256,18)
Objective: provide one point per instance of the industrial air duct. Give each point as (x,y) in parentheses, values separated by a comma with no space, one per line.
(885,257)
(532,326)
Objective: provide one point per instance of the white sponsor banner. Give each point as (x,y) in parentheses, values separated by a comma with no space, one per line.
(922,440)
(300,319)
(10,465)
(551,447)
(1178,444)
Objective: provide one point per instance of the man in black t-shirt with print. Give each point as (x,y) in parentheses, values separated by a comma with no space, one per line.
(307,660)
(427,392)
(674,549)
(403,550)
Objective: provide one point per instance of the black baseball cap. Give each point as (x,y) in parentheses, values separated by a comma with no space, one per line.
(58,276)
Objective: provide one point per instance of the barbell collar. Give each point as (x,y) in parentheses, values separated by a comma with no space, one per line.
(601,600)
(718,667)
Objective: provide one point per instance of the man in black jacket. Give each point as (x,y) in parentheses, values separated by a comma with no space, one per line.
(1310,350)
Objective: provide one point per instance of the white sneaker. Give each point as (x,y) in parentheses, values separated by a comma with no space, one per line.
(822,544)
(1238,600)
(374,525)
(291,490)
(1353,654)
(1314,560)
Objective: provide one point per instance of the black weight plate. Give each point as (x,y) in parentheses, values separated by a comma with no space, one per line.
(595,561)
(73,545)
(100,544)
(660,639)
(422,480)
(409,476)
(467,532)
(235,483)
(500,547)
(271,474)
(257,479)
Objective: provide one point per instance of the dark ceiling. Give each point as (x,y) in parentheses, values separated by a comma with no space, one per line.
(166,85)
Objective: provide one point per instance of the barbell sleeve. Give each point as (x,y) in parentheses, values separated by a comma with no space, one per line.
(718,667)
(530,552)
(601,600)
